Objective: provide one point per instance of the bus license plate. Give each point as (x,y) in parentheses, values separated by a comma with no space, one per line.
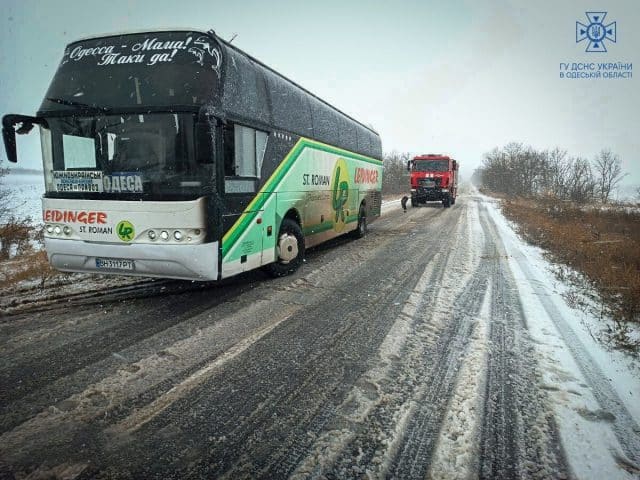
(114,264)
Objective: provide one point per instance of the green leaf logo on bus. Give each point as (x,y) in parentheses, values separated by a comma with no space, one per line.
(125,231)
(340,193)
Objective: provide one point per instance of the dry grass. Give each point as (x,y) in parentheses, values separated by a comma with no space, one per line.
(32,266)
(602,244)
(15,236)
(21,260)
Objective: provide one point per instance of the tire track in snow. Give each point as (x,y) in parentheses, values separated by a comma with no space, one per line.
(458,447)
(370,431)
(289,379)
(369,413)
(366,392)
(519,435)
(419,441)
(282,462)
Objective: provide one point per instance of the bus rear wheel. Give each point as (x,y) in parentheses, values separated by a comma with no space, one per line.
(361,229)
(289,250)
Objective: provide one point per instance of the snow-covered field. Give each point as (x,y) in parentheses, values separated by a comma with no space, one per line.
(26,191)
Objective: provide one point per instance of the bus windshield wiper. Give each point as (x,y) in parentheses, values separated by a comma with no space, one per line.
(72,103)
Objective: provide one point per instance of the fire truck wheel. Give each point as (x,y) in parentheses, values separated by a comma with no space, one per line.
(414,202)
(446,203)
(289,250)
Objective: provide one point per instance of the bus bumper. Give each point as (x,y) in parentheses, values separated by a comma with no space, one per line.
(187,262)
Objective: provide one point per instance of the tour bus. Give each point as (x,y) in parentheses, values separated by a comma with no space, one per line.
(175,154)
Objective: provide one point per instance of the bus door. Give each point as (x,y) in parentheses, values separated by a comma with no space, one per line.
(242,244)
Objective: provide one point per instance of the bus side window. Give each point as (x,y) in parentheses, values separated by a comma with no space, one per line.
(261,146)
(244,149)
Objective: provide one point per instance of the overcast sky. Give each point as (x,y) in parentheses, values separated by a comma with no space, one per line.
(458,77)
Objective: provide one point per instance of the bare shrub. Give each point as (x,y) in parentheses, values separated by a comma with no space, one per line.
(581,185)
(608,169)
(15,233)
(15,237)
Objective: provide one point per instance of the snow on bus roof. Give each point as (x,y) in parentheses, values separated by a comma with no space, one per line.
(213,34)
(134,32)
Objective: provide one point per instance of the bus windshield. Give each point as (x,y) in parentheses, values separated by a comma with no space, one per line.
(149,156)
(431,166)
(160,69)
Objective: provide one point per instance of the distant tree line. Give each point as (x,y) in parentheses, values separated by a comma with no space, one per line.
(395,177)
(518,170)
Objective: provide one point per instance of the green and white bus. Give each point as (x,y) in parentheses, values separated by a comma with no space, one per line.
(175,154)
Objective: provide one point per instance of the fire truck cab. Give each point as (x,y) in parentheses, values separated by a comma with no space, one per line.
(434,178)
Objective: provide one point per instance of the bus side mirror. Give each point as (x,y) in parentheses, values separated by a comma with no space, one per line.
(9,131)
(9,136)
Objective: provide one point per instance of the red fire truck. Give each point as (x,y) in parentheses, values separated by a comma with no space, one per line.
(434,178)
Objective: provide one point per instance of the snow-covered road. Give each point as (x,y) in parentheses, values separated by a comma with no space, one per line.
(438,346)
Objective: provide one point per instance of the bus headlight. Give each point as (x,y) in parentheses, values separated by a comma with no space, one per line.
(67,230)
(49,228)
(57,230)
(177,235)
(164,235)
(152,235)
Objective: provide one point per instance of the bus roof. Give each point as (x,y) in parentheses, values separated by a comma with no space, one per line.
(253,59)
(212,34)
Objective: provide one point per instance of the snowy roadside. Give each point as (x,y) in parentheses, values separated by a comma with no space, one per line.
(595,391)
(390,204)
(30,292)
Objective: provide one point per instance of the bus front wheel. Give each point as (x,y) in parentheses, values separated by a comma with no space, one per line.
(289,250)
